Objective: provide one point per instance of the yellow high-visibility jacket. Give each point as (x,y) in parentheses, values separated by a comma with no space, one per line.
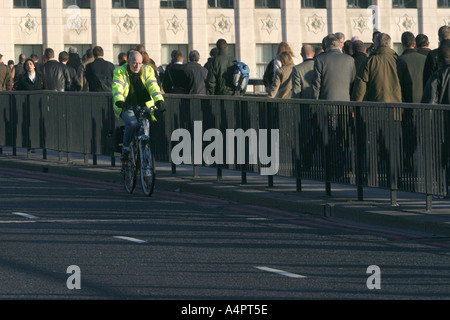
(121,86)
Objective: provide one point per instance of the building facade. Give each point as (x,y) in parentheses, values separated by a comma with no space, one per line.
(253,28)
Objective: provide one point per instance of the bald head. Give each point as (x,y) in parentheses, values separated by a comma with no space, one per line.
(307,51)
(135,61)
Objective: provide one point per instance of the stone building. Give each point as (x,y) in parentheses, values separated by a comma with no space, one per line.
(253,28)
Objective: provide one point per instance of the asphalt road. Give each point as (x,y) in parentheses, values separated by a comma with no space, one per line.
(182,246)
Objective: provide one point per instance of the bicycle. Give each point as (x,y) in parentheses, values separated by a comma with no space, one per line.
(140,160)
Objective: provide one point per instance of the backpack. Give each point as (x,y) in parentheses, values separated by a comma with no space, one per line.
(241,76)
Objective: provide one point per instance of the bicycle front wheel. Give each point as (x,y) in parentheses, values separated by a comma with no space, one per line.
(129,176)
(147,171)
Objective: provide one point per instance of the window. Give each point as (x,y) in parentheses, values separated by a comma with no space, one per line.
(267,4)
(125,4)
(224,4)
(83,4)
(27,3)
(231,48)
(28,49)
(264,54)
(318,4)
(118,48)
(178,4)
(359,3)
(443,4)
(166,50)
(404,3)
(81,48)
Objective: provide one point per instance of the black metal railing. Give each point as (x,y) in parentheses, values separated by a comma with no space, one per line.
(400,147)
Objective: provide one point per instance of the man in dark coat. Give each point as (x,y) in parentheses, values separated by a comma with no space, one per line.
(432,61)
(410,70)
(359,54)
(56,75)
(334,72)
(220,76)
(437,89)
(6,82)
(175,77)
(99,73)
(302,75)
(74,81)
(378,81)
(422,44)
(196,74)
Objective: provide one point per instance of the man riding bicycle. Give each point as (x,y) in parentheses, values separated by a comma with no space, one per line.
(134,84)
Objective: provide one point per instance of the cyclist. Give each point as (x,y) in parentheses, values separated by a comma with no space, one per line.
(134,84)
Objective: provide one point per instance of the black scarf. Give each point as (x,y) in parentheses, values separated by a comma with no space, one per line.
(138,94)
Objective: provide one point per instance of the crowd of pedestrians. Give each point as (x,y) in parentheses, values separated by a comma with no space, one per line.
(340,70)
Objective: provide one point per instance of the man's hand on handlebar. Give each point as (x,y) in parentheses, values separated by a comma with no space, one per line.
(160,105)
(124,106)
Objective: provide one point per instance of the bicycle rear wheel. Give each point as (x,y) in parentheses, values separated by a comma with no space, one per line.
(129,176)
(147,171)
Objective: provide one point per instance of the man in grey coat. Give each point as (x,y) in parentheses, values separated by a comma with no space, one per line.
(302,75)
(334,72)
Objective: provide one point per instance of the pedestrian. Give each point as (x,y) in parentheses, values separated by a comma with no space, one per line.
(359,54)
(283,46)
(6,81)
(74,81)
(437,88)
(11,65)
(348,48)
(341,38)
(282,86)
(371,49)
(410,69)
(81,72)
(35,59)
(220,75)
(422,44)
(334,72)
(122,58)
(212,54)
(74,58)
(56,75)
(378,81)
(18,68)
(432,61)
(176,78)
(302,75)
(31,78)
(196,74)
(99,73)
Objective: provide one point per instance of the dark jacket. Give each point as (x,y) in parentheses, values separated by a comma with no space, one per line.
(56,75)
(17,71)
(437,88)
(197,78)
(6,82)
(302,76)
(334,73)
(410,75)
(99,75)
(378,80)
(431,65)
(176,79)
(269,74)
(220,76)
(24,82)
(74,81)
(360,60)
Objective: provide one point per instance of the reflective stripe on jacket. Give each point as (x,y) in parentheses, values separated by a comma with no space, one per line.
(121,86)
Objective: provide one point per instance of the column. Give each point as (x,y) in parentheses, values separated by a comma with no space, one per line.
(52,26)
(290,13)
(150,22)
(337,15)
(428,22)
(198,39)
(102,27)
(6,24)
(245,34)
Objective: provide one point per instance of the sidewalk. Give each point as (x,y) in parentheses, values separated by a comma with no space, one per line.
(376,208)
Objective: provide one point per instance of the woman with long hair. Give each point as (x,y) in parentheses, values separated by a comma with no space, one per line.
(31,78)
(282,85)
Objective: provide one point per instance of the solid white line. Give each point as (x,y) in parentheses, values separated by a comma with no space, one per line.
(29,216)
(130,239)
(281,272)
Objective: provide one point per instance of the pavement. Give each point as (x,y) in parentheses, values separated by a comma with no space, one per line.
(376,208)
